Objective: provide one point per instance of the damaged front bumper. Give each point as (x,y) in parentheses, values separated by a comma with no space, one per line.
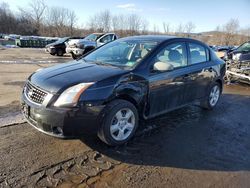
(239,71)
(62,122)
(74,50)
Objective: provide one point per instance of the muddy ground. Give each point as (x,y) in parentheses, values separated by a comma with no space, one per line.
(189,147)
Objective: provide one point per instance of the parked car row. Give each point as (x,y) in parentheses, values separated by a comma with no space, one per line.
(222,50)
(81,47)
(59,47)
(78,46)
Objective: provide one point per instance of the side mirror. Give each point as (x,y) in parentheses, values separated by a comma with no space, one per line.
(161,66)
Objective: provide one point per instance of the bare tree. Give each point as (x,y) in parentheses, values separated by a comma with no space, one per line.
(35,11)
(71,20)
(217,36)
(106,20)
(166,27)
(119,24)
(93,23)
(189,28)
(231,29)
(180,30)
(37,18)
(101,22)
(133,23)
(155,29)
(144,26)
(7,19)
(60,21)
(115,23)
(123,24)
(245,31)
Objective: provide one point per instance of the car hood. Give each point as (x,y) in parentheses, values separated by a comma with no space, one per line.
(57,78)
(84,41)
(53,44)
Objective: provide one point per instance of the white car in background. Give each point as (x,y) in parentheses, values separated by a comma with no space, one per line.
(71,43)
(78,48)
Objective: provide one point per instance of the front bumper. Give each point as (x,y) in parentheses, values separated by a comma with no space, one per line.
(62,122)
(76,51)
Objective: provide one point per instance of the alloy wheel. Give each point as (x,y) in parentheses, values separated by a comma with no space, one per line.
(122,124)
(214,95)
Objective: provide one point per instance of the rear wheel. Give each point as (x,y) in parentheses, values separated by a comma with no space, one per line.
(119,123)
(213,97)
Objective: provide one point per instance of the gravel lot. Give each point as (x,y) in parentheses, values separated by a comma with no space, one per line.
(185,148)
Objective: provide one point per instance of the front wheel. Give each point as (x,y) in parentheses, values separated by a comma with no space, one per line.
(213,97)
(119,123)
(59,52)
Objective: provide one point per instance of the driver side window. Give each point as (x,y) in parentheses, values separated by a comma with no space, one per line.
(172,56)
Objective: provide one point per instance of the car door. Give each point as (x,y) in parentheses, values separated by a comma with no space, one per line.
(199,72)
(166,89)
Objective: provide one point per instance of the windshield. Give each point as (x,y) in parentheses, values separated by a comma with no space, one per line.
(93,37)
(244,47)
(121,53)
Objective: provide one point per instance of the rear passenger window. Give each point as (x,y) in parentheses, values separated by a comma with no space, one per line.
(198,53)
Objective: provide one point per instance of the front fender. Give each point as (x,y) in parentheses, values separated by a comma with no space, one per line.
(133,90)
(129,87)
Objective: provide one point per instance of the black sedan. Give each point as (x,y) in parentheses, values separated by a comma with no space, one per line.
(108,90)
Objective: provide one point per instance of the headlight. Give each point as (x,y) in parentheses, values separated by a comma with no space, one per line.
(71,95)
(51,47)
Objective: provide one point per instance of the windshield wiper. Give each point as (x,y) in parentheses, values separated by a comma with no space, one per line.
(104,64)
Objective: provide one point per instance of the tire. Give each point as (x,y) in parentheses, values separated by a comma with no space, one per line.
(59,52)
(52,54)
(116,128)
(212,97)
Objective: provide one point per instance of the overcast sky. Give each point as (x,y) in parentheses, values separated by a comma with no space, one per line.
(205,14)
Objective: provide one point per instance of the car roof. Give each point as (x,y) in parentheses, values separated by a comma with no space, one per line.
(102,33)
(97,33)
(160,38)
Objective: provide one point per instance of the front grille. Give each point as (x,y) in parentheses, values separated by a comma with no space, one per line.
(34,93)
